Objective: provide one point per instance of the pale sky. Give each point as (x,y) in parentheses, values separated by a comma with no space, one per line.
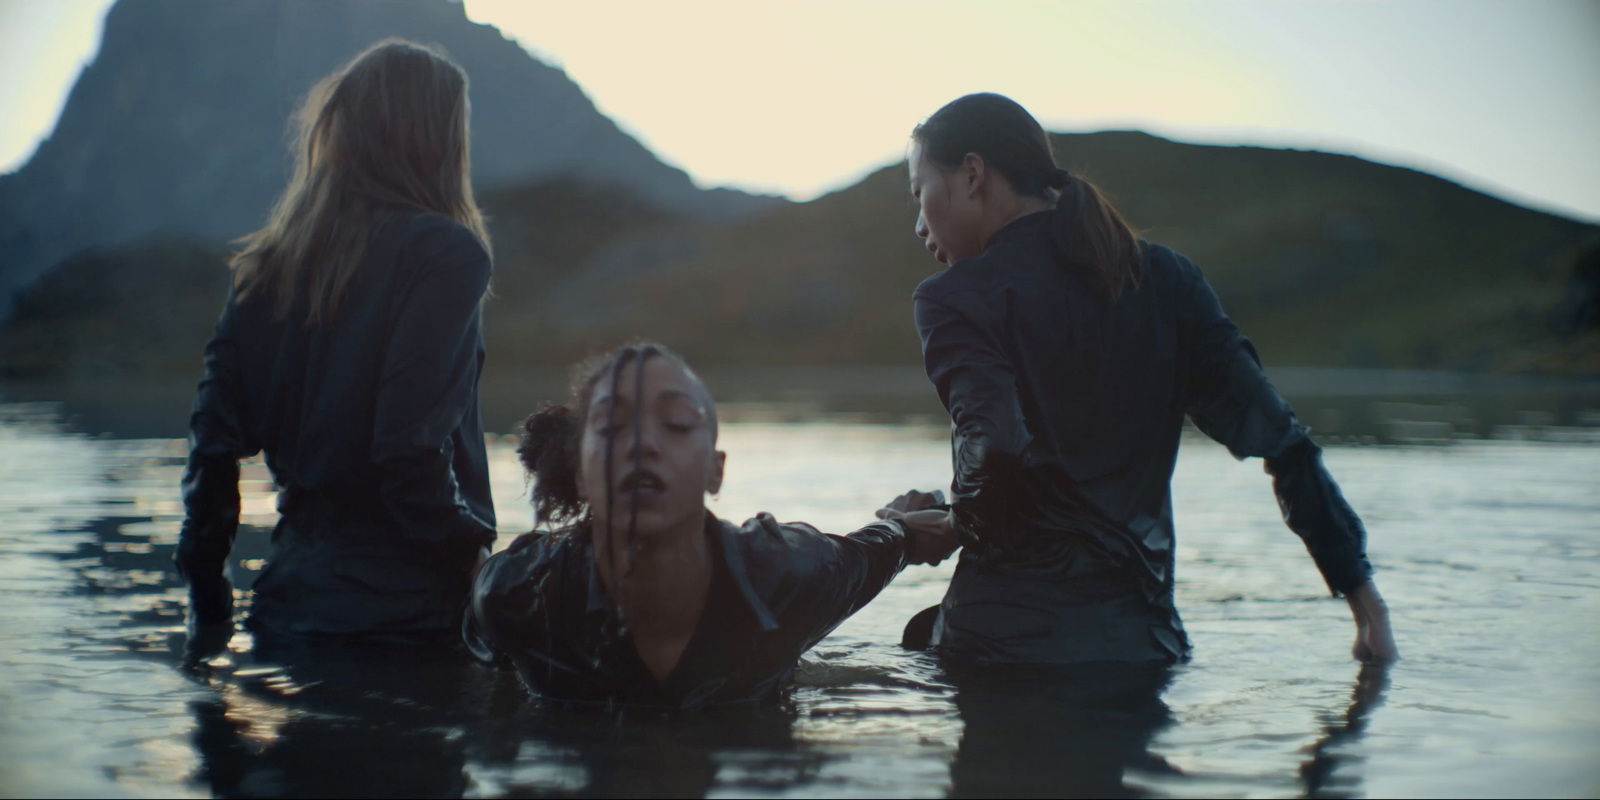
(802,98)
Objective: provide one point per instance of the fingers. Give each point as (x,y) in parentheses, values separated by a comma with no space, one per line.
(1375,645)
(1360,652)
(914,501)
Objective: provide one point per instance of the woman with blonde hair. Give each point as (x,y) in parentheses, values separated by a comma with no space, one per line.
(349,352)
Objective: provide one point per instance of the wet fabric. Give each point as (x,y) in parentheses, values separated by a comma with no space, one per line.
(325,579)
(371,430)
(1067,411)
(777,589)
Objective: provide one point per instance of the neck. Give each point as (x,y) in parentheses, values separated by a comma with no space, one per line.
(664,588)
(1011,210)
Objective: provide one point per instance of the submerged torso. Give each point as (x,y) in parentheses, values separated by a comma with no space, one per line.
(370,426)
(1080,565)
(775,591)
(1069,406)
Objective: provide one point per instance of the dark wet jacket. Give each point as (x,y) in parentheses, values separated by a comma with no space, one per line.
(777,589)
(1067,410)
(371,430)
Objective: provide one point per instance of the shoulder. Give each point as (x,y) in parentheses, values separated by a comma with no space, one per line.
(959,294)
(790,553)
(435,242)
(967,283)
(977,285)
(763,531)
(968,277)
(776,552)
(1162,262)
(520,568)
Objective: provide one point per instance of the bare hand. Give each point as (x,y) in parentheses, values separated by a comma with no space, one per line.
(912,501)
(932,538)
(1374,639)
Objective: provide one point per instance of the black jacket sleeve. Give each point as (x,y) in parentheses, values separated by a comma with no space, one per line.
(430,369)
(507,609)
(978,386)
(217,440)
(814,581)
(1229,398)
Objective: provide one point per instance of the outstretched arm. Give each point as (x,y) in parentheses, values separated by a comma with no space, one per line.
(821,579)
(1229,398)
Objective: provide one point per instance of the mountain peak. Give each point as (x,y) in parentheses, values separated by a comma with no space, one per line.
(180,124)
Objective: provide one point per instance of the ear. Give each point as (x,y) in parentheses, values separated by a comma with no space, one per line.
(719,463)
(974,174)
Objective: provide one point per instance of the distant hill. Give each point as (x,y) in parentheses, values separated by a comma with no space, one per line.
(135,311)
(178,127)
(1324,260)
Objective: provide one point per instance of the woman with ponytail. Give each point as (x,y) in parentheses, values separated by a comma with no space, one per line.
(642,597)
(349,351)
(1068,352)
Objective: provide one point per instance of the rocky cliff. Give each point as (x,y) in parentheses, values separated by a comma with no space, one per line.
(179,125)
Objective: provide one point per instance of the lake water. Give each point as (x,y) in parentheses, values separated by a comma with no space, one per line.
(1488,553)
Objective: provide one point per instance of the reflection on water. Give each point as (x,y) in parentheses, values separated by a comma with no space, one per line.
(1340,730)
(1488,555)
(1058,732)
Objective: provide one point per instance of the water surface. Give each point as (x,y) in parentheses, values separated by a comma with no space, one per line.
(1488,553)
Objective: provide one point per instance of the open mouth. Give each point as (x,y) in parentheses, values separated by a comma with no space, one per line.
(642,481)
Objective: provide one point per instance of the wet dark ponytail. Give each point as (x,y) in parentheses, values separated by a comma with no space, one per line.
(1087,231)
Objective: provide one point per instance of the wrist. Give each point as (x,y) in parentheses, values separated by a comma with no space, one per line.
(1366,603)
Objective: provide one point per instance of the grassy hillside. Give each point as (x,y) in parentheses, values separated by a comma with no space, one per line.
(1325,260)
(139,311)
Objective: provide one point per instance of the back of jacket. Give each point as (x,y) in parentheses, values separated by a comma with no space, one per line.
(370,421)
(1069,407)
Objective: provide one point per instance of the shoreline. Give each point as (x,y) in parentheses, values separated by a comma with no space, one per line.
(1341,405)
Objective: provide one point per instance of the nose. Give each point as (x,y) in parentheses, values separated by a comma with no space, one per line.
(921,228)
(648,445)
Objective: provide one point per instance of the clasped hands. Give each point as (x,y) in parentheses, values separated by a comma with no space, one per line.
(932,535)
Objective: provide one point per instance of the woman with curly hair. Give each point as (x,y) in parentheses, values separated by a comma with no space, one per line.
(645,598)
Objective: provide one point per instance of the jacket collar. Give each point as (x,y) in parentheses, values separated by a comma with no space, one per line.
(1022,227)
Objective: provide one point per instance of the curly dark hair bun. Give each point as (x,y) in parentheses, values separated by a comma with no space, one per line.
(549,453)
